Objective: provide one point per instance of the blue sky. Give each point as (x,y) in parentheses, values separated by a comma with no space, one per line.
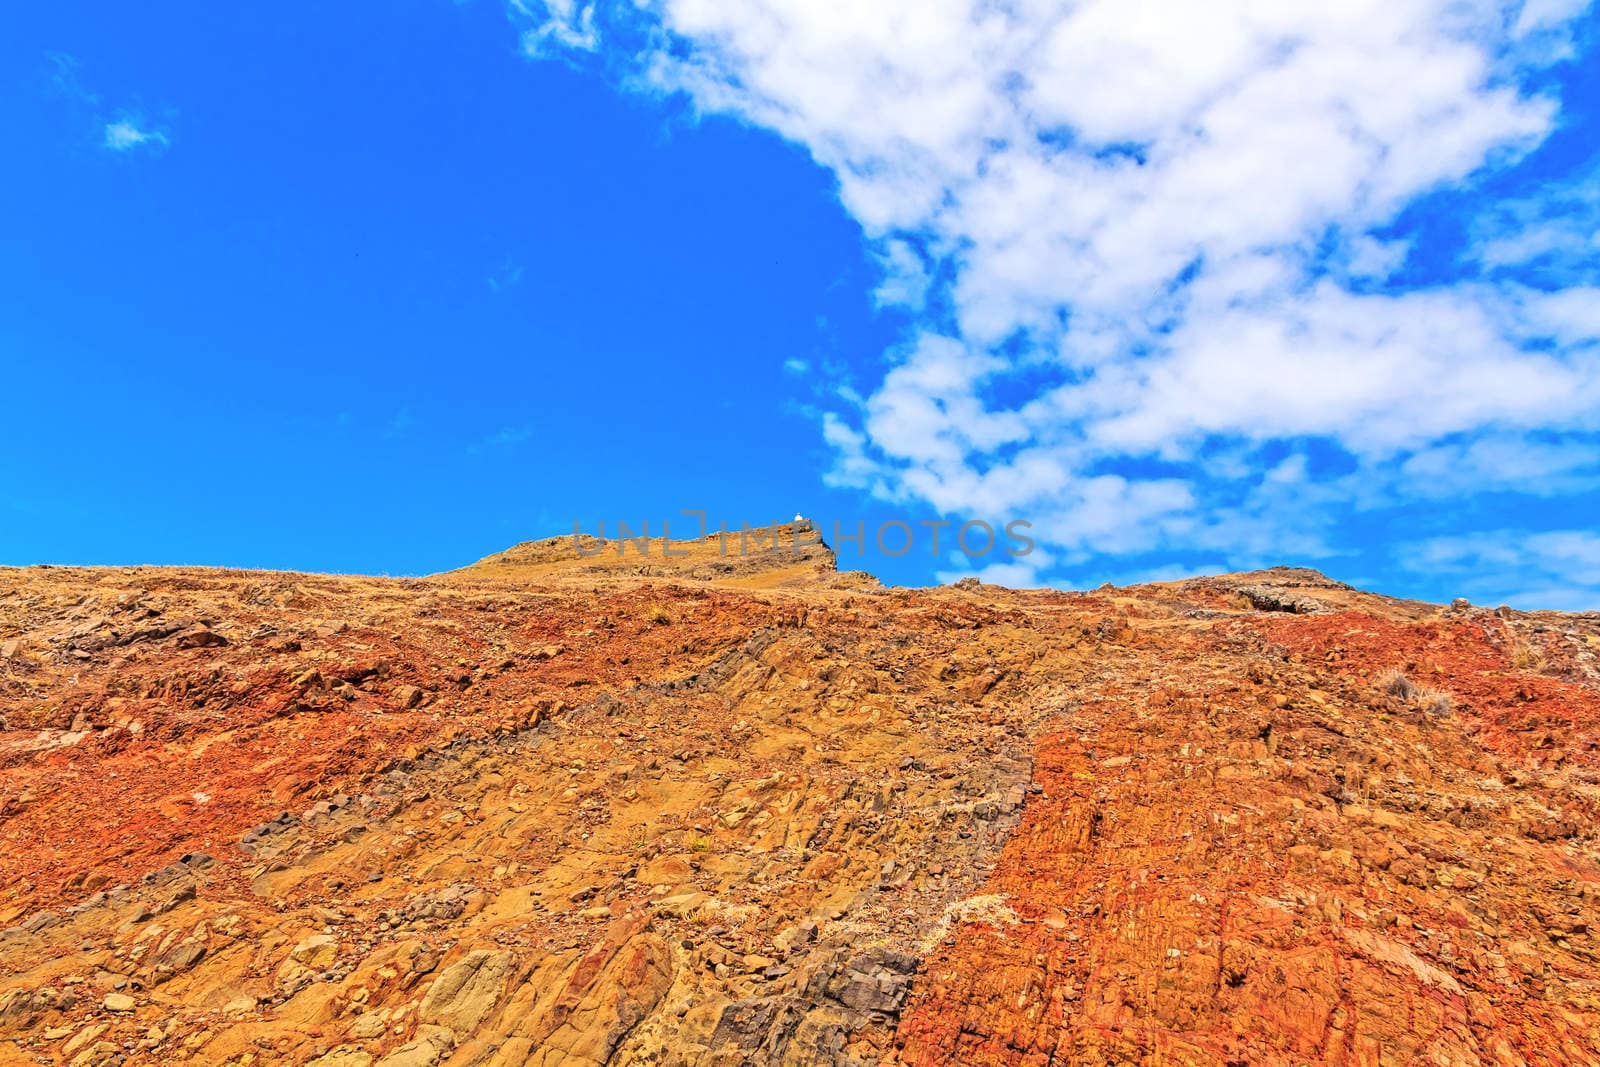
(384,288)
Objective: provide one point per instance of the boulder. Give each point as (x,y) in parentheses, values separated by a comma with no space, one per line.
(318,950)
(467,991)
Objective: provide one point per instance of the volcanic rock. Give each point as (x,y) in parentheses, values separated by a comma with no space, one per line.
(503,816)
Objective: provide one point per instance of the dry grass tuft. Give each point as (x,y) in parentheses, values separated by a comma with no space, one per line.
(1435,702)
(1396,684)
(1526,658)
(657,614)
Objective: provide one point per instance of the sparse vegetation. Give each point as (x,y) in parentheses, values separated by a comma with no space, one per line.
(1396,684)
(847,761)
(1424,698)
(1434,701)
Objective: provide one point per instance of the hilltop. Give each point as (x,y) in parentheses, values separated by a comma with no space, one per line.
(559,808)
(791,554)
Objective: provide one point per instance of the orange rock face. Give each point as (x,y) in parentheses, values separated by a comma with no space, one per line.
(1257,857)
(561,808)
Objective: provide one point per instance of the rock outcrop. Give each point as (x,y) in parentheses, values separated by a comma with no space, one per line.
(560,810)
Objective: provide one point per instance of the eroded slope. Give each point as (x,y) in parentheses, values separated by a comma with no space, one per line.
(554,811)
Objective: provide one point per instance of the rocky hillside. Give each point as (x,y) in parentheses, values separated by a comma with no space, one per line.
(560,809)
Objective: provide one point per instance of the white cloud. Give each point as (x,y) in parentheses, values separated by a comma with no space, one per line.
(558,25)
(1372,258)
(1503,462)
(1024,572)
(1547,14)
(125,132)
(123,135)
(1570,317)
(1376,372)
(1556,234)
(1126,207)
(905,276)
(1555,569)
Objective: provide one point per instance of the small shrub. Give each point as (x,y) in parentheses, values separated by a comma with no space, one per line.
(1434,701)
(1397,684)
(657,614)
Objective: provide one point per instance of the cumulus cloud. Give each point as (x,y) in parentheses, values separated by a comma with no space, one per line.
(125,135)
(1162,237)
